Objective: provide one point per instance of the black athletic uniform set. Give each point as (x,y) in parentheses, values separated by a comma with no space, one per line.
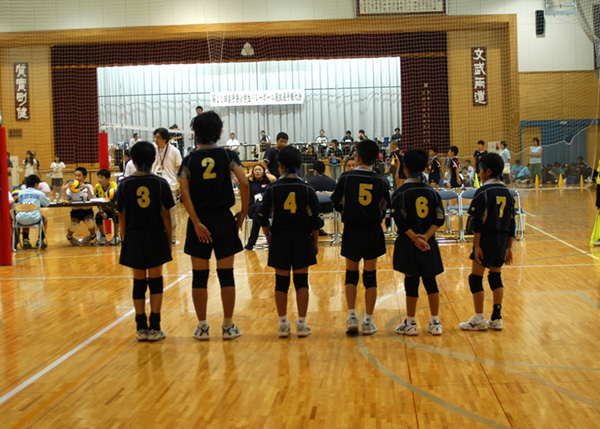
(208,170)
(493,213)
(362,197)
(434,170)
(454,169)
(294,208)
(143,199)
(271,155)
(417,206)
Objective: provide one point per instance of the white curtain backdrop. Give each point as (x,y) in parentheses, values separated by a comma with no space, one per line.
(340,95)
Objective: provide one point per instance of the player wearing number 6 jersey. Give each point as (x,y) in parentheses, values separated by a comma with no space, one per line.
(493,213)
(418,211)
(362,196)
(207,193)
(143,203)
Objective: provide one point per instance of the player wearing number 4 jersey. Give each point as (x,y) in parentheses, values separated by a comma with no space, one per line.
(492,210)
(207,193)
(143,203)
(362,196)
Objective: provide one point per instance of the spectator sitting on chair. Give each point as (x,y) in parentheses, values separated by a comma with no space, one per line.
(322,183)
(524,175)
(32,195)
(515,169)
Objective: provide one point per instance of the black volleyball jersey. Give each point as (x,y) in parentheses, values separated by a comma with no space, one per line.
(292,204)
(143,198)
(361,196)
(493,209)
(417,206)
(435,166)
(208,170)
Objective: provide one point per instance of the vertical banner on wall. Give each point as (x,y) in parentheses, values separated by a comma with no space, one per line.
(479,68)
(21,91)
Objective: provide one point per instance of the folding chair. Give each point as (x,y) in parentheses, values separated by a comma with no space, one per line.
(451,210)
(520,225)
(325,201)
(464,211)
(23,208)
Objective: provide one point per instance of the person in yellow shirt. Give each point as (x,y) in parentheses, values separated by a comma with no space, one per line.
(105,188)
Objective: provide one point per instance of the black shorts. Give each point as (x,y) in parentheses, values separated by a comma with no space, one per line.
(291,249)
(144,248)
(57,181)
(598,196)
(408,259)
(362,241)
(493,247)
(224,234)
(434,178)
(81,214)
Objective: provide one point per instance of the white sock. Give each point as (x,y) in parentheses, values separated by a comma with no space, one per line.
(302,320)
(283,319)
(410,320)
(479,316)
(202,323)
(435,319)
(352,312)
(368,318)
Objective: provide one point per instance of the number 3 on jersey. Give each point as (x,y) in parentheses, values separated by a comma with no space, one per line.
(364,194)
(209,164)
(290,203)
(143,196)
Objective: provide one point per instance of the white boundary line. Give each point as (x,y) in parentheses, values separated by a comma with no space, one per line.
(70,353)
(564,242)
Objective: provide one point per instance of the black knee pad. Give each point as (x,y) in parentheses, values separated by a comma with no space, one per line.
(370,279)
(476,283)
(431,285)
(495,280)
(225,276)
(351,277)
(301,281)
(282,283)
(155,285)
(99,219)
(411,286)
(139,288)
(199,279)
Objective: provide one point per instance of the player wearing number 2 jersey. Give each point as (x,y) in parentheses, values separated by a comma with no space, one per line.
(493,213)
(362,196)
(207,193)
(143,202)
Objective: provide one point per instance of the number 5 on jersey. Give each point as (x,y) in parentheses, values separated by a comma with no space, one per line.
(364,194)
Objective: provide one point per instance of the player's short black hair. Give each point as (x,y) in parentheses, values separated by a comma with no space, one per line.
(104,173)
(493,162)
(127,153)
(361,131)
(199,107)
(164,133)
(503,143)
(135,134)
(32,180)
(454,149)
(481,142)
(143,155)
(319,167)
(208,127)
(282,135)
(368,151)
(290,158)
(434,149)
(416,160)
(83,171)
(348,132)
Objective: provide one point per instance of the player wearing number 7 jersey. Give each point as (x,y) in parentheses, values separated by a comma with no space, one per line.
(362,196)
(207,193)
(493,214)
(143,202)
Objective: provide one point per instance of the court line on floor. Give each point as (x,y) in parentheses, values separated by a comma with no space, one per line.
(73,351)
(586,299)
(564,242)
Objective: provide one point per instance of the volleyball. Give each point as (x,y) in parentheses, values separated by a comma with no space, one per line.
(75,186)
(111,193)
(15,194)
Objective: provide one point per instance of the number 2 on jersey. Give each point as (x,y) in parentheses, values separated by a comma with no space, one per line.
(143,196)
(501,201)
(364,194)
(422,207)
(290,203)
(209,163)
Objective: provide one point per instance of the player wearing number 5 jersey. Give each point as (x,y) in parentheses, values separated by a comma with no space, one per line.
(493,213)
(144,201)
(207,193)
(418,211)
(362,196)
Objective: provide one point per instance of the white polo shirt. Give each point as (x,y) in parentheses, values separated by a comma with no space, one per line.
(167,163)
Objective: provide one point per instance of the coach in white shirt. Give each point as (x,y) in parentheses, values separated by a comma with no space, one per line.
(232,143)
(166,165)
(136,138)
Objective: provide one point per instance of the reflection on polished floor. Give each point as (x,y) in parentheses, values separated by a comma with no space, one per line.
(69,357)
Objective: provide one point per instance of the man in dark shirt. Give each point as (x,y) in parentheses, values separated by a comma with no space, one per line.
(478,154)
(322,183)
(397,137)
(270,161)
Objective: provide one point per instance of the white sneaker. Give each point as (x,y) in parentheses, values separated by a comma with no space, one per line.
(474,324)
(231,332)
(284,330)
(368,328)
(302,329)
(91,240)
(201,332)
(141,335)
(435,328)
(73,240)
(102,241)
(115,240)
(352,325)
(154,335)
(596,243)
(496,325)
(405,329)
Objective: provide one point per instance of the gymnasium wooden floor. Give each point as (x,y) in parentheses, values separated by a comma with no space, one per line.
(69,358)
